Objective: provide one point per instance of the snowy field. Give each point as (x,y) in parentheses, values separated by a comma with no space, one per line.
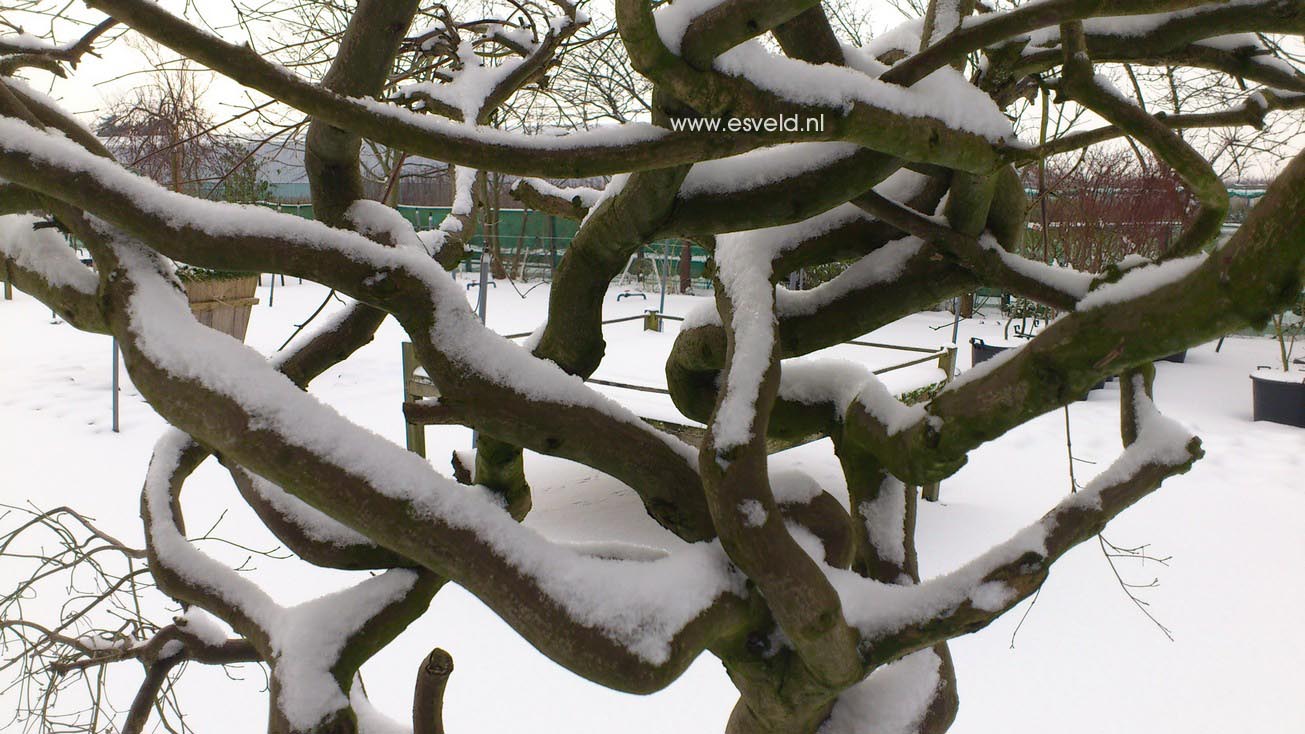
(1085,659)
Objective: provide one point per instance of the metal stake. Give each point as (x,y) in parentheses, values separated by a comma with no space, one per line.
(482,305)
(661,308)
(956,324)
(115,384)
(482,300)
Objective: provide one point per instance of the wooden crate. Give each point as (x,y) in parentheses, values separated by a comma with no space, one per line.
(224,304)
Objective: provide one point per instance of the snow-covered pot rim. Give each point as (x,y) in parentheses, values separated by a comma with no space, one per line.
(1272,375)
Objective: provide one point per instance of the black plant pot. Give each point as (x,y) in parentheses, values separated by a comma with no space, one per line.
(1178,357)
(1279,402)
(981,352)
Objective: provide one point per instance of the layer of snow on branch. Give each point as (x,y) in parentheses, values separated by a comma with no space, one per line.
(372,720)
(374,219)
(945,95)
(306,639)
(44,252)
(1063,279)
(674,18)
(601,136)
(840,382)
(885,521)
(902,38)
(754,514)
(744,273)
(947,18)
(464,179)
(179,556)
(984,368)
(471,85)
(1234,42)
(203,626)
(314,523)
(757,168)
(775,241)
(311,636)
(464,204)
(51,102)
(893,414)
(586,196)
(894,699)
(27,42)
(325,323)
(1161,441)
(878,609)
(792,487)
(883,265)
(614,186)
(1134,26)
(703,314)
(1142,281)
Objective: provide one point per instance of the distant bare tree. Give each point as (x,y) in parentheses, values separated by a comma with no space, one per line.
(163,130)
(1103,206)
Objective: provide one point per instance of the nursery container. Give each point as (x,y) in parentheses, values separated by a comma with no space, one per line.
(982,352)
(1279,397)
(223,303)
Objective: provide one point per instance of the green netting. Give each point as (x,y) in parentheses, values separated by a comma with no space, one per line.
(532,242)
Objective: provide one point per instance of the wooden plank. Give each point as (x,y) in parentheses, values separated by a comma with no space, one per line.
(693,435)
(197,307)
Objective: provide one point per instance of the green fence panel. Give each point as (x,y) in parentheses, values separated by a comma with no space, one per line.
(544,238)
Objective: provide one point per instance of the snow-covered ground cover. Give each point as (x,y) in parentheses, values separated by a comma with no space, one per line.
(1084,660)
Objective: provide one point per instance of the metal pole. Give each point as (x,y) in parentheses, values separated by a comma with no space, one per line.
(482,300)
(271,295)
(956,324)
(482,304)
(552,247)
(661,308)
(115,384)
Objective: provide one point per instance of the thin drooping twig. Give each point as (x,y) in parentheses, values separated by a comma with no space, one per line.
(300,327)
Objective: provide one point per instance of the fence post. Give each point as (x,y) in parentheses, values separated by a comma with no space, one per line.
(414,433)
(946,362)
(652,320)
(482,305)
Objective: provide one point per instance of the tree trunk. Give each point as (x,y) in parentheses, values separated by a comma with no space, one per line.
(966,308)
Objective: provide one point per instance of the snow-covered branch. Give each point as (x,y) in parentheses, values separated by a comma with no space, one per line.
(898,620)
(611,622)
(38,260)
(734,470)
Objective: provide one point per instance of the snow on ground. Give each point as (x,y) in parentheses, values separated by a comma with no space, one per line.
(1085,658)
